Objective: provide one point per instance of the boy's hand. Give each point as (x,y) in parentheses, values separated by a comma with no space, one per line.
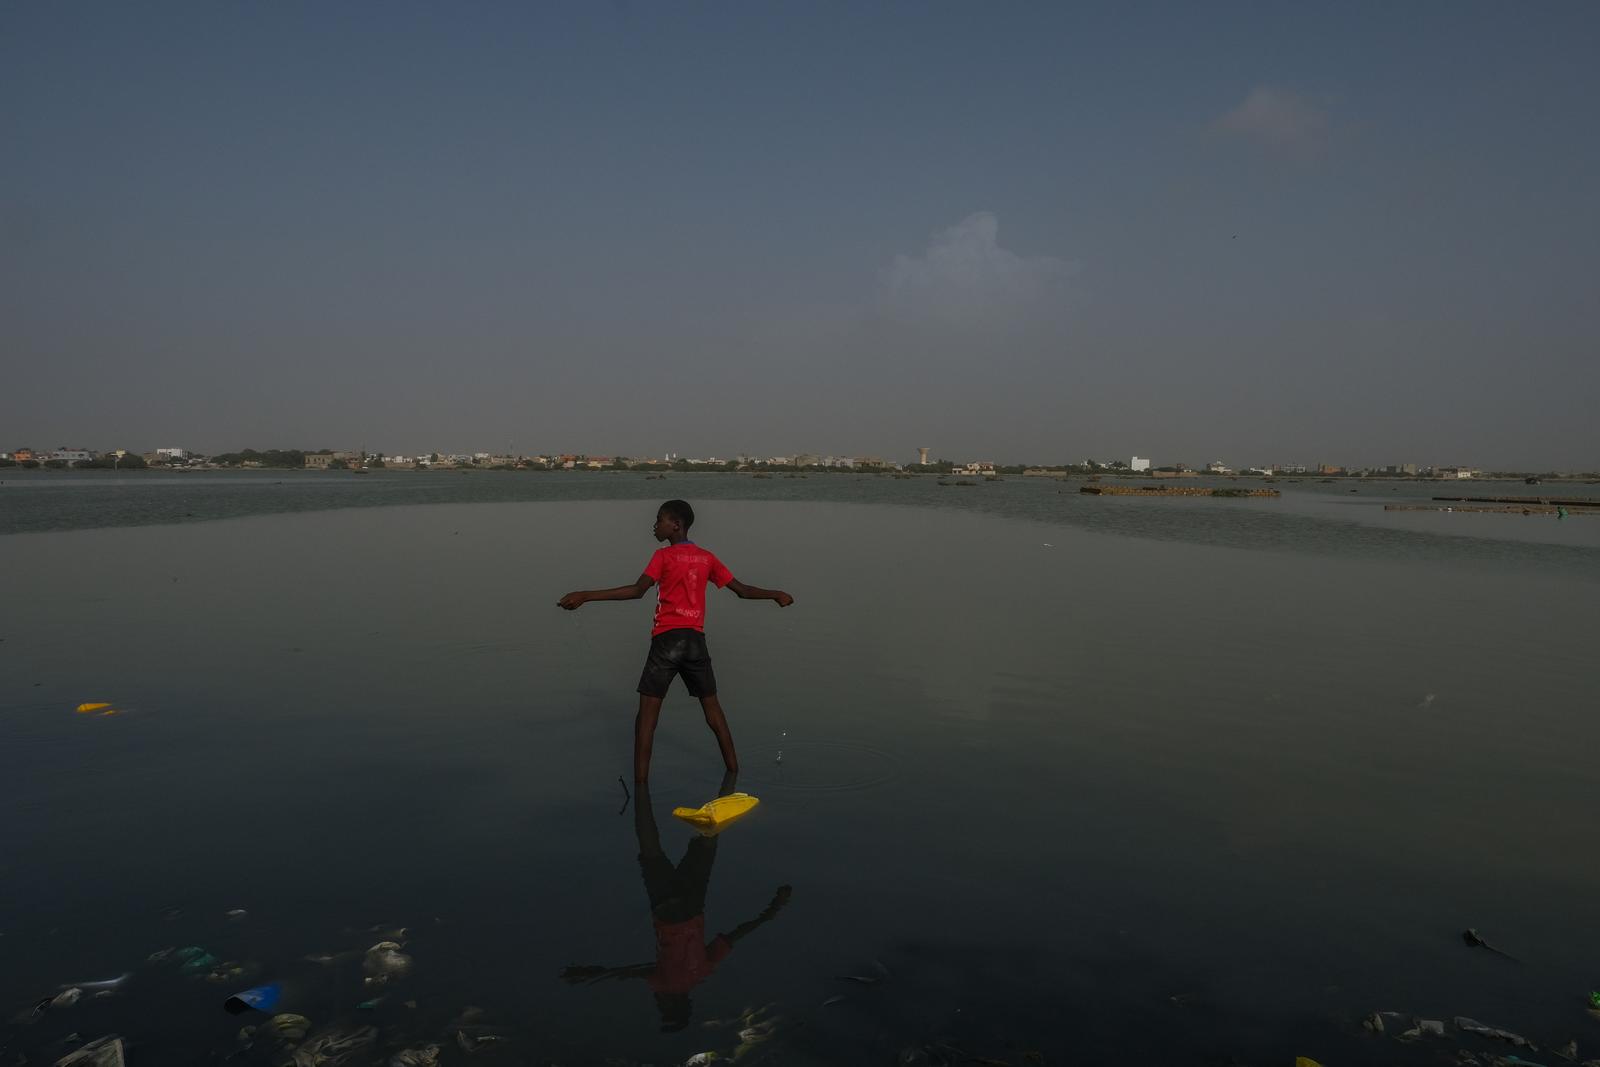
(783,599)
(572,601)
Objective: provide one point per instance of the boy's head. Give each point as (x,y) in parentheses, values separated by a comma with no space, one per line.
(676,1010)
(673,517)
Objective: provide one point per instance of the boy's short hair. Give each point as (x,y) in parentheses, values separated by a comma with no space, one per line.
(680,510)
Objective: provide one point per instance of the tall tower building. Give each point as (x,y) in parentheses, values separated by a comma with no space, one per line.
(922,456)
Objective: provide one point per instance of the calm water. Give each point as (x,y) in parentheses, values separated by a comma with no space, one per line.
(1186,781)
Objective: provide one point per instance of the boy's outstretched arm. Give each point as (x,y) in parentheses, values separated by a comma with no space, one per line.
(574,601)
(755,592)
(575,974)
(779,899)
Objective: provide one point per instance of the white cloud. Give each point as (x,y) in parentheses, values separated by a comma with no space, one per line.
(965,276)
(1280,120)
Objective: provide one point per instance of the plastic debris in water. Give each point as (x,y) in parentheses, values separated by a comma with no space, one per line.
(713,816)
(334,1045)
(384,962)
(1472,1026)
(471,1043)
(261,998)
(236,913)
(196,964)
(700,1059)
(1474,940)
(101,1052)
(427,1056)
(289,1027)
(84,709)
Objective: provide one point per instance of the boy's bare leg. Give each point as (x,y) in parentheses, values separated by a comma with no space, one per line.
(719,726)
(644,735)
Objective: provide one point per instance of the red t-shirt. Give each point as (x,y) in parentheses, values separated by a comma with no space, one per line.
(683,957)
(681,572)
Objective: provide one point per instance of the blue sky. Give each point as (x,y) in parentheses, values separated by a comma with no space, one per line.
(1344,233)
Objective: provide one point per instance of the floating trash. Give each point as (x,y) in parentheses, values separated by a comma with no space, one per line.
(85,709)
(102,985)
(101,1052)
(1473,940)
(427,1056)
(196,964)
(384,962)
(752,1036)
(716,814)
(1472,1026)
(66,998)
(700,1059)
(261,998)
(335,1046)
(236,914)
(935,1055)
(289,1027)
(473,1043)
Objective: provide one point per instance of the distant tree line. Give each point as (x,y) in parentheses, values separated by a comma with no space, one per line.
(272,457)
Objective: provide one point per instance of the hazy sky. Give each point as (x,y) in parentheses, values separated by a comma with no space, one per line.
(1261,232)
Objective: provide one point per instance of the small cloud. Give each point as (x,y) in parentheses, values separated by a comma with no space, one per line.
(1280,120)
(965,276)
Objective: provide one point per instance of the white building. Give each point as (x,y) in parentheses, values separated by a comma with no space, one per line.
(1139,464)
(1216,466)
(170,454)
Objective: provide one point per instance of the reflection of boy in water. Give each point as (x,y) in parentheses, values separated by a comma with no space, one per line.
(684,958)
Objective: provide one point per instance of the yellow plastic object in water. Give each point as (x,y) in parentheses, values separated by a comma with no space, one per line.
(84,709)
(709,818)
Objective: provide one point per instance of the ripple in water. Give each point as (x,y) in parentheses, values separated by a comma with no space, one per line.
(819,766)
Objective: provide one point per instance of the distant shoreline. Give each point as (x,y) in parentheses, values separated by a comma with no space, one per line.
(663,474)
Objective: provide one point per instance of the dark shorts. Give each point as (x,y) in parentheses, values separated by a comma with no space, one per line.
(678,652)
(679,893)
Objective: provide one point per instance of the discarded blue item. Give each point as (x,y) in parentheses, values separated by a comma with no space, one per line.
(261,998)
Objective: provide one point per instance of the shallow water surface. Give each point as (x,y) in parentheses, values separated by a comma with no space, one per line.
(1052,788)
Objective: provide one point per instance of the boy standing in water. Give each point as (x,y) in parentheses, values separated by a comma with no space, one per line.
(680,572)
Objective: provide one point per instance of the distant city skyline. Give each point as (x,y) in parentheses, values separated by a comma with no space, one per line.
(1134,463)
(1354,233)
